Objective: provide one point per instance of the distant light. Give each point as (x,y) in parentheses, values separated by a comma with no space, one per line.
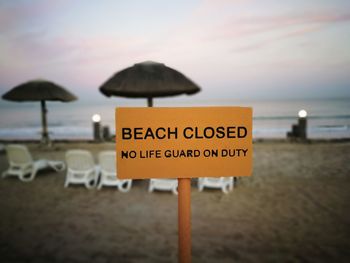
(302,114)
(96,118)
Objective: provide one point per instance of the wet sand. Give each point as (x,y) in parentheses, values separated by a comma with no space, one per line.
(295,208)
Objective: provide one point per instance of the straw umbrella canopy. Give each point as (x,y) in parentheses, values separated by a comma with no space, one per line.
(148,80)
(40,90)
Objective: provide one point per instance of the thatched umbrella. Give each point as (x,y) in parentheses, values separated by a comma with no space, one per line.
(148,80)
(40,90)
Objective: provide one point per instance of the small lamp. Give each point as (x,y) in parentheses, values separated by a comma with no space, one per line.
(302,123)
(302,114)
(96,124)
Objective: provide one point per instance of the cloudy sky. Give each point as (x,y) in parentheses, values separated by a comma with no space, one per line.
(231,48)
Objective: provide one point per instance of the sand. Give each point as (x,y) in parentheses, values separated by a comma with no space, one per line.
(295,208)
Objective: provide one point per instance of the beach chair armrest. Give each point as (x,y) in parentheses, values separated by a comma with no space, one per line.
(40,164)
(57,165)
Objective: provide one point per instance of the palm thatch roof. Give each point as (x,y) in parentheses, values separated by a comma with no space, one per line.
(147,80)
(39,90)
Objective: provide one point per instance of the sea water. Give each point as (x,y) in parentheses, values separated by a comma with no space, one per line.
(327,118)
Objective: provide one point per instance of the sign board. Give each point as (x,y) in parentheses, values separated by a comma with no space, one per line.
(183,142)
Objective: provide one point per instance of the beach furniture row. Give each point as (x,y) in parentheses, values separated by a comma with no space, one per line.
(82,169)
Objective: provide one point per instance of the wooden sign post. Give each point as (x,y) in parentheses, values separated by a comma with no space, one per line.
(184,218)
(183,143)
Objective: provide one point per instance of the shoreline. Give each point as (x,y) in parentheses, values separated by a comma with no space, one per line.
(256,140)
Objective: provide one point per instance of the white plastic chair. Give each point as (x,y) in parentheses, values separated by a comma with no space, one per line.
(108,173)
(81,168)
(22,164)
(163,185)
(224,183)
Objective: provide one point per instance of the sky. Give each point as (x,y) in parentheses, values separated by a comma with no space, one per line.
(245,49)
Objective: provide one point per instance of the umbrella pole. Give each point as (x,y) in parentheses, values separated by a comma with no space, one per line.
(150,102)
(45,134)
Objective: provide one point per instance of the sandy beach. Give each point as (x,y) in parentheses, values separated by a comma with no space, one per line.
(295,208)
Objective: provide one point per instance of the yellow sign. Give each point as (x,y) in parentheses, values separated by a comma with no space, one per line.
(183,142)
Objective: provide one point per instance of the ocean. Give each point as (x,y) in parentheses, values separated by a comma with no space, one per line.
(327,118)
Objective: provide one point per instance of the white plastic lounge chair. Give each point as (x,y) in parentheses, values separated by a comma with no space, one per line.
(224,183)
(163,185)
(108,173)
(81,168)
(22,164)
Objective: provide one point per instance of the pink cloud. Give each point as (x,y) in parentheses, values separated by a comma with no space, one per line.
(247,26)
(270,40)
(15,15)
(84,61)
